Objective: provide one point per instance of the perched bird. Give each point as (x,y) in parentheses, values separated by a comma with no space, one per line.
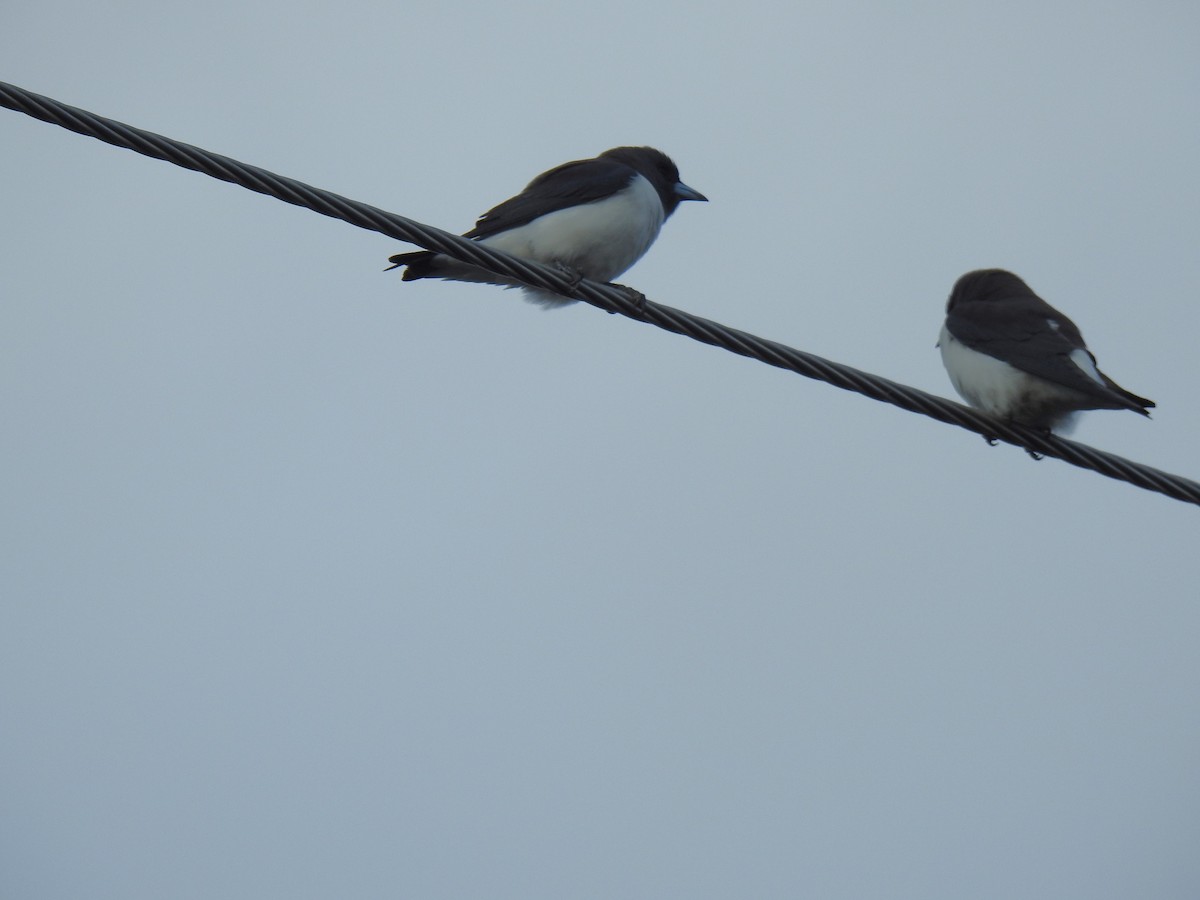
(1013,355)
(591,218)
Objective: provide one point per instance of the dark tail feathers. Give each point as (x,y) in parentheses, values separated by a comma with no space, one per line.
(418,264)
(1129,399)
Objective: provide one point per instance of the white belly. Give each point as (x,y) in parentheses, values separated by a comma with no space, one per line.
(1008,393)
(601,240)
(983,381)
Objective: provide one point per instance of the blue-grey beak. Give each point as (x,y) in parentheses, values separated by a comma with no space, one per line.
(683,192)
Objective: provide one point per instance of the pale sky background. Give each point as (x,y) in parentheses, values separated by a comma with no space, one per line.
(317,584)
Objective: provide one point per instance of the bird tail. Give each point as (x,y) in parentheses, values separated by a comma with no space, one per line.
(427,264)
(1129,400)
(419,264)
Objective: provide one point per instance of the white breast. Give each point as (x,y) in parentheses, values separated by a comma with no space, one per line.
(983,381)
(600,240)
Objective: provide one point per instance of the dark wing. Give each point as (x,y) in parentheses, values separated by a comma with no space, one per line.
(1030,335)
(571,184)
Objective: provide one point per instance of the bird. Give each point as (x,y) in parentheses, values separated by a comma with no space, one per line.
(1010,353)
(589,218)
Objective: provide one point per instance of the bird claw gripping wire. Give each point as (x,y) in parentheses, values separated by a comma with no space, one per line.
(992,441)
(574,277)
(633,295)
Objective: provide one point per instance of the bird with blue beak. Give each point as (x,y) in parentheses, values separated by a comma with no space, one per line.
(591,218)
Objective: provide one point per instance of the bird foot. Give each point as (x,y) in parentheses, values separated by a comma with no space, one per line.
(633,295)
(1044,432)
(992,441)
(574,276)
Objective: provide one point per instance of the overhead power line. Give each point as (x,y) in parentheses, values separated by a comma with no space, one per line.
(606,297)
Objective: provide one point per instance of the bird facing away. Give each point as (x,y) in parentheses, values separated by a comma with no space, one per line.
(591,218)
(1010,353)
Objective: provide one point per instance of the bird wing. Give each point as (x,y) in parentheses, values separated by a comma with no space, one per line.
(1032,336)
(571,184)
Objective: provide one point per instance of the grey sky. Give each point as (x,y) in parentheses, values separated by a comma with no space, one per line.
(319,584)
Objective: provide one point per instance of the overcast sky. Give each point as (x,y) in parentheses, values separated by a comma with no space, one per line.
(320,584)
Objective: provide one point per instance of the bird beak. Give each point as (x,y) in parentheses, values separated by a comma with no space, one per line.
(683,192)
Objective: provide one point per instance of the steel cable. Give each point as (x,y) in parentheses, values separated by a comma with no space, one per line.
(607,297)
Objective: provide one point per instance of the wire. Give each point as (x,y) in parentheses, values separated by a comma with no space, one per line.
(613,299)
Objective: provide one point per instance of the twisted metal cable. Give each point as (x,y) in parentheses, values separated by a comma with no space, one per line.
(607,297)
